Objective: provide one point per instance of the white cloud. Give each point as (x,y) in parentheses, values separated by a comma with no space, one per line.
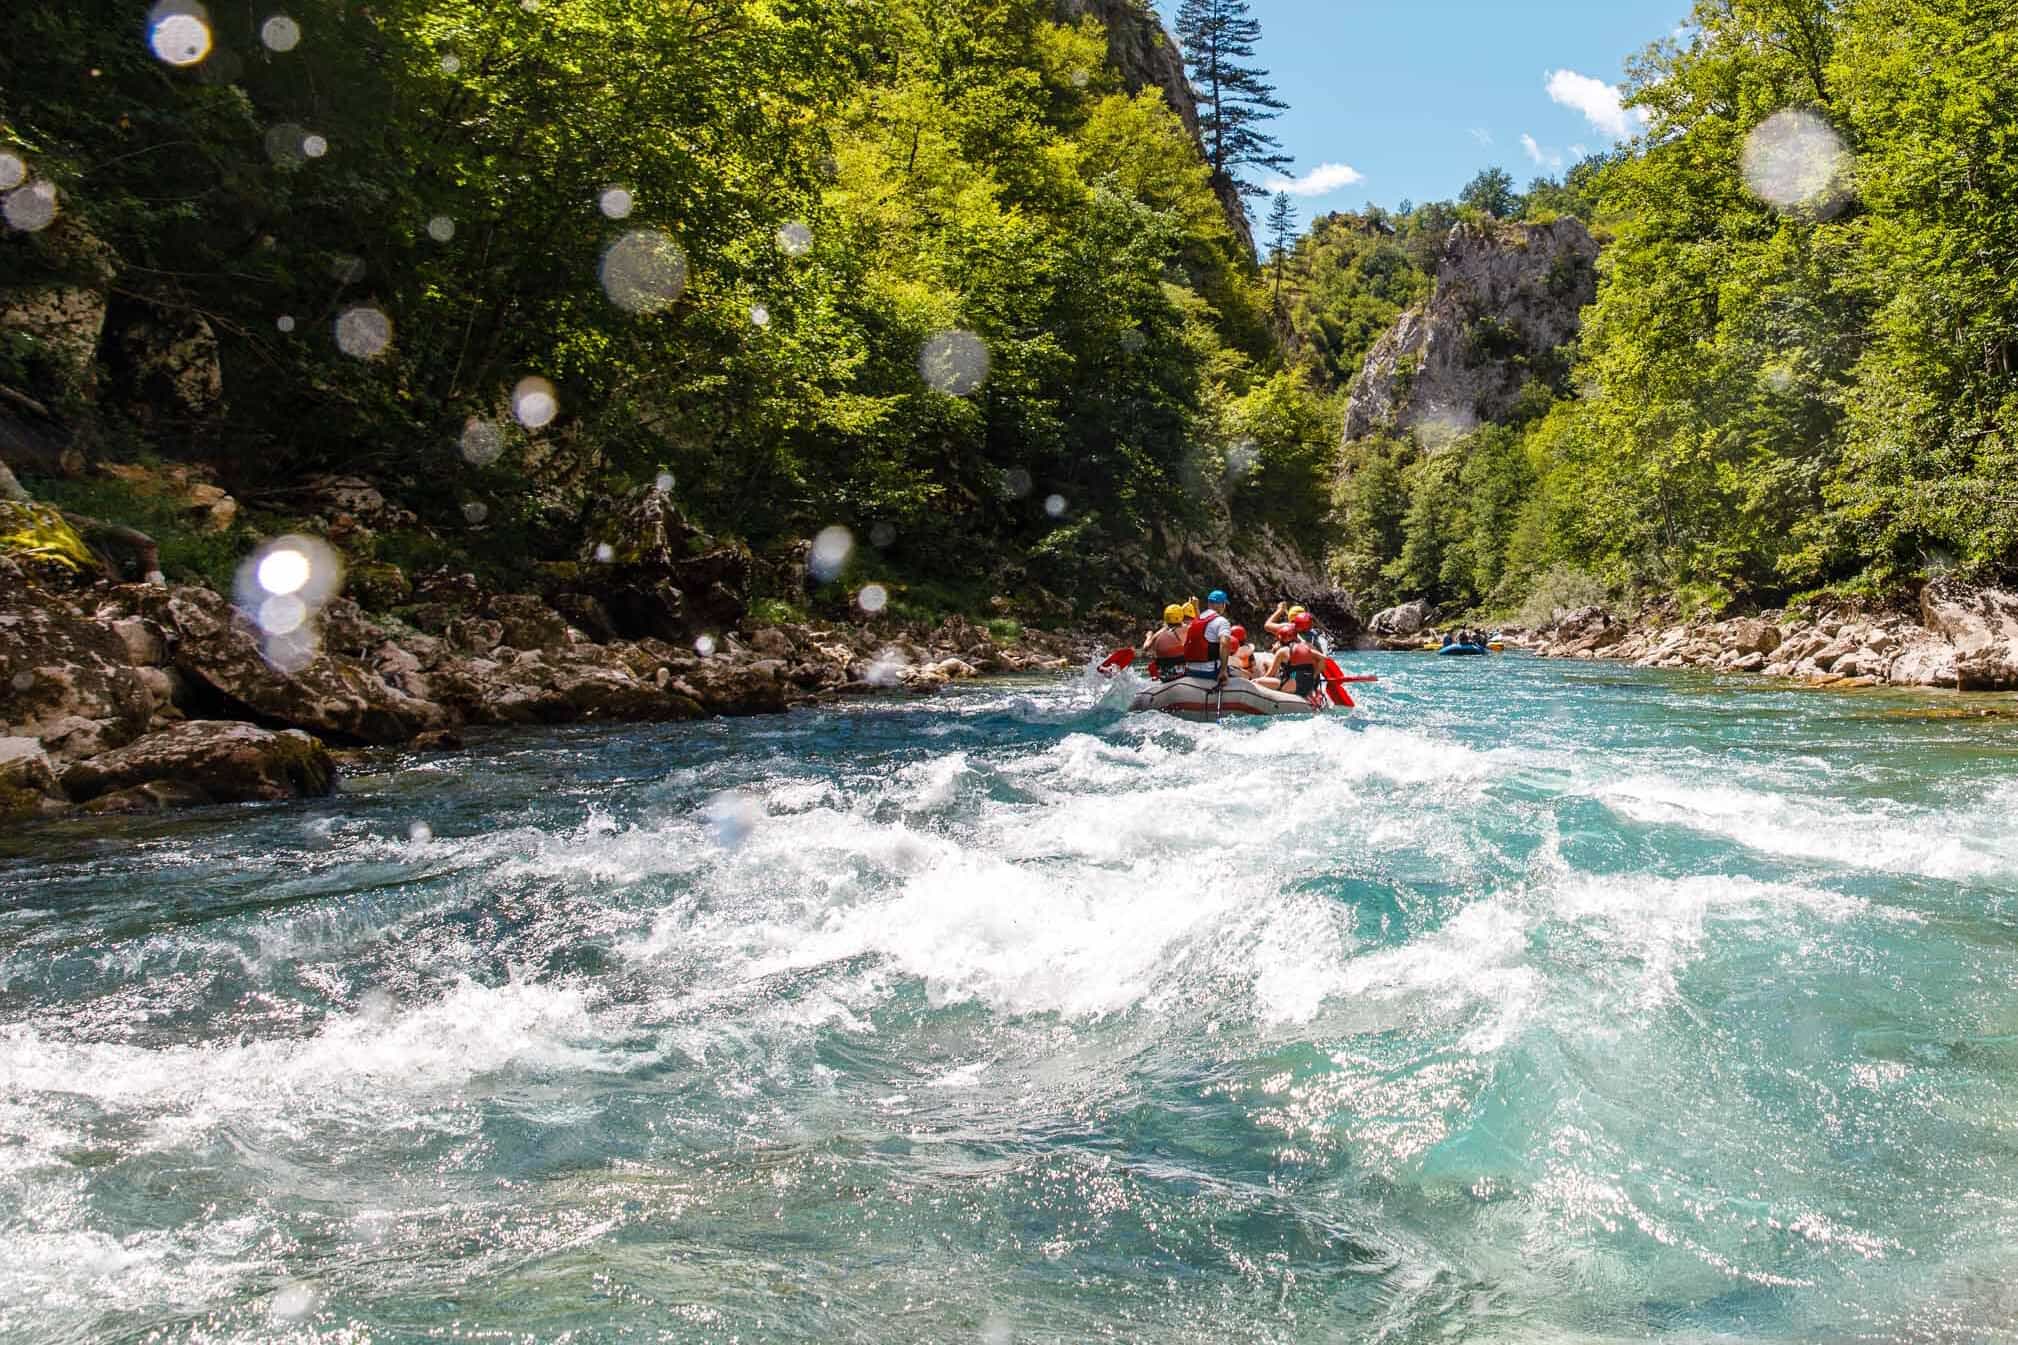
(1482,135)
(1597,100)
(1580,151)
(1319,181)
(1545,158)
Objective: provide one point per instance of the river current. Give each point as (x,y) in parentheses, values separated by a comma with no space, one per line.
(1536,1002)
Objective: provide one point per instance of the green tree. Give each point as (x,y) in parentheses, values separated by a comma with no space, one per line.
(1281,233)
(1493,192)
(1234,99)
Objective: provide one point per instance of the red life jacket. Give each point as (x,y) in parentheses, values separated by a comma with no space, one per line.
(1197,648)
(1303,667)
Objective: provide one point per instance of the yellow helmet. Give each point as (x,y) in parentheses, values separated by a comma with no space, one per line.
(1296,611)
(1172,614)
(1190,610)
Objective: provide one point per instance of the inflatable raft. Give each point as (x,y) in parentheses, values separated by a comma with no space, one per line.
(1195,698)
(1462,650)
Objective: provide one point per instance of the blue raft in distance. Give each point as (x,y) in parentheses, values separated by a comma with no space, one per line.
(1462,650)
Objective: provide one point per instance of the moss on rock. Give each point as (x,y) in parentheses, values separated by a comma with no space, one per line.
(40,538)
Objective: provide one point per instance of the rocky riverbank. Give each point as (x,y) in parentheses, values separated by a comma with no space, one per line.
(138,697)
(1958,637)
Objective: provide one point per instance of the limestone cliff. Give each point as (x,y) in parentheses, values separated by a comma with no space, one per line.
(1147,56)
(1507,297)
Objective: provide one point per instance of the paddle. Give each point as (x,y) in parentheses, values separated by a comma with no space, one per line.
(1117,661)
(1334,684)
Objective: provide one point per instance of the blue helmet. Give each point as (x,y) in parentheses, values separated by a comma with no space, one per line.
(1216,597)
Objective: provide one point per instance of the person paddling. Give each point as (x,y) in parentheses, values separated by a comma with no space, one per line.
(1165,647)
(1242,660)
(1299,665)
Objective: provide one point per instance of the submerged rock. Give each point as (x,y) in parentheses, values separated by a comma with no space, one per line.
(208,761)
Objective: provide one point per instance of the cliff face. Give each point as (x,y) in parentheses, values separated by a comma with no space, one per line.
(1507,296)
(1147,56)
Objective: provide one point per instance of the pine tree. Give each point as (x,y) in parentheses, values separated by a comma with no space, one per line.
(1281,230)
(1233,99)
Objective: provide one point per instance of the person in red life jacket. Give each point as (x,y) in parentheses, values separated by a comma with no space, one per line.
(1165,647)
(1281,622)
(1208,641)
(1242,660)
(1299,665)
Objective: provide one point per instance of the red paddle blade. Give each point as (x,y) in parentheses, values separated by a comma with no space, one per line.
(1334,674)
(1118,660)
(1340,696)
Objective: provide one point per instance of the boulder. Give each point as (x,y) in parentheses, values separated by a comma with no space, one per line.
(226,762)
(555,688)
(1982,626)
(656,575)
(42,542)
(156,796)
(65,678)
(1407,619)
(474,635)
(526,622)
(1926,662)
(586,615)
(27,778)
(378,586)
(334,696)
(165,366)
(1750,635)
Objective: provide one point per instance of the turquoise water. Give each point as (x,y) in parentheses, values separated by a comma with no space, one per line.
(1538,1002)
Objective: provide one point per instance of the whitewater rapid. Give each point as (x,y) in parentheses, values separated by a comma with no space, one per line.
(1536,1002)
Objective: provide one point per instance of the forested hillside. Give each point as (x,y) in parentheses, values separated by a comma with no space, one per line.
(1798,371)
(929,271)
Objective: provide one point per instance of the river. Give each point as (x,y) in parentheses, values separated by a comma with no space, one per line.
(1536,1002)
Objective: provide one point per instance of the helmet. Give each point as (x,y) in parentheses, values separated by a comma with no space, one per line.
(1302,622)
(1216,597)
(1172,614)
(1296,612)
(1190,610)
(1239,634)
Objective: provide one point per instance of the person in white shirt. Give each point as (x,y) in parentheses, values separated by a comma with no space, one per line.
(1209,641)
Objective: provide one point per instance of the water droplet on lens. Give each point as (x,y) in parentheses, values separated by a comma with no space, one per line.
(451,64)
(24,681)
(363,332)
(644,272)
(605,553)
(535,403)
(30,209)
(476,511)
(663,483)
(955,363)
(615,202)
(314,146)
(1080,79)
(285,570)
(481,442)
(1054,505)
(873,598)
(441,228)
(293,1301)
(284,322)
(704,645)
(759,315)
(1016,484)
(1794,160)
(280,33)
(296,566)
(282,614)
(795,239)
(730,818)
(178,32)
(831,550)
(347,270)
(13,171)
(420,833)
(882,535)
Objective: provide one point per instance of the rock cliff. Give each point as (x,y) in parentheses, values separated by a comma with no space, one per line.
(1146,56)
(1507,297)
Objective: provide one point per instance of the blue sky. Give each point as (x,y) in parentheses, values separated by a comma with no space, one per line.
(1415,96)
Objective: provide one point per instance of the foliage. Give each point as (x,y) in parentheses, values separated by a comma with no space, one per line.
(843,180)
(1492,192)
